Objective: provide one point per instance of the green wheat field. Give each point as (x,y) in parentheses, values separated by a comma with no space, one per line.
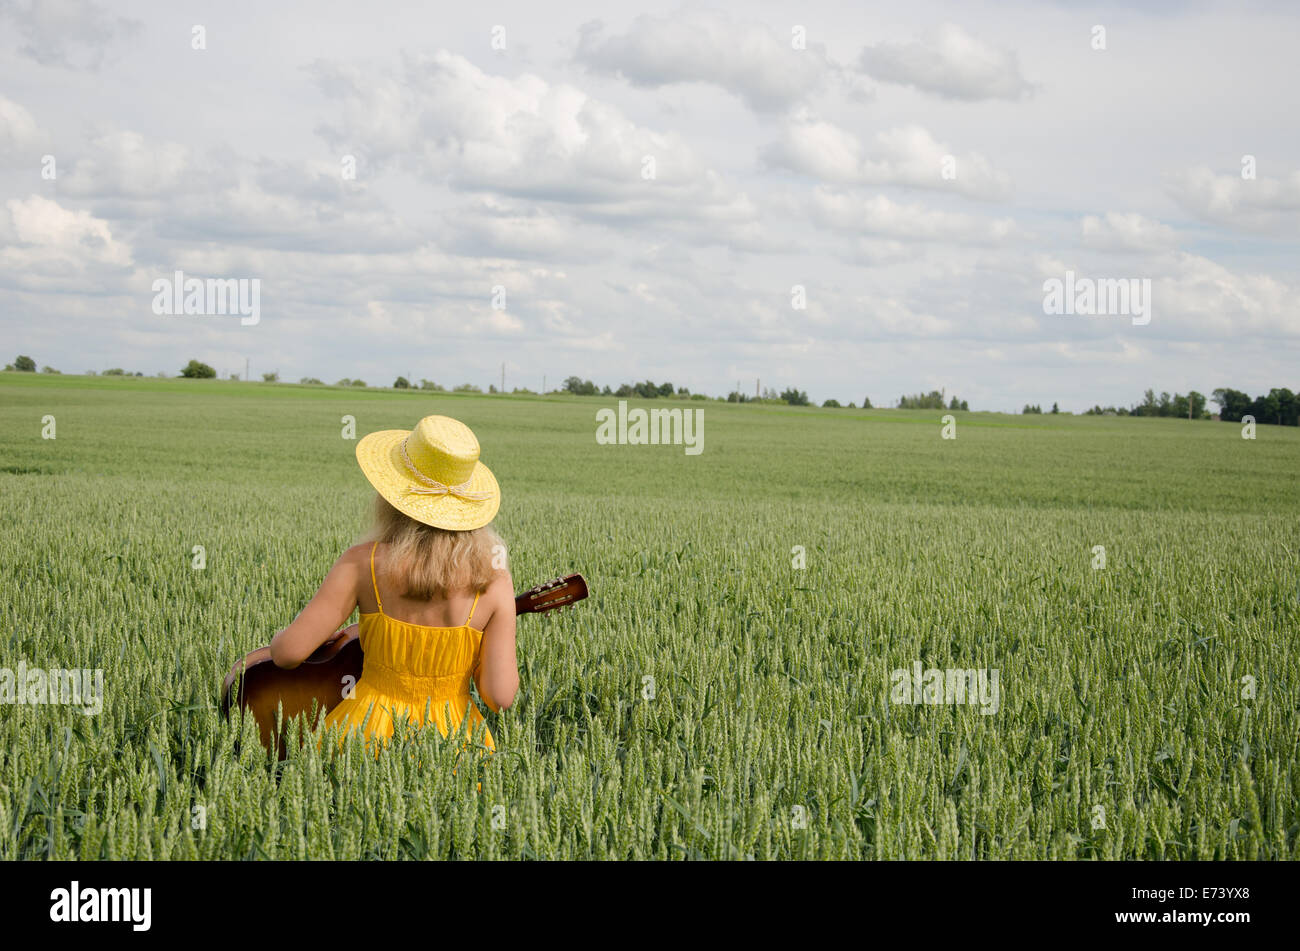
(711,700)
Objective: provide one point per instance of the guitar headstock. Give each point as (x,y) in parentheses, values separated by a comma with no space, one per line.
(551,595)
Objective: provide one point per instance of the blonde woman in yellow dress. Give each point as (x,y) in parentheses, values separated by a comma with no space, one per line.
(436,611)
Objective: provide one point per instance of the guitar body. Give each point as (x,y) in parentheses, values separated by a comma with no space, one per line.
(317,685)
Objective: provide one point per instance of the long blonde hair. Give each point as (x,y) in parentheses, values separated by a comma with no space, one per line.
(424,562)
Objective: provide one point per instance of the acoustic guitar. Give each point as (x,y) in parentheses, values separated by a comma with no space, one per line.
(267,692)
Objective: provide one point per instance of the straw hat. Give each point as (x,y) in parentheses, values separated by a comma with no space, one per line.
(432,473)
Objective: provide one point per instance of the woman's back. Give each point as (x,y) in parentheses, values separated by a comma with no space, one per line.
(452,610)
(412,663)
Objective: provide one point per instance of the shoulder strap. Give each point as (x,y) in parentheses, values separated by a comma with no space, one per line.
(477,594)
(373,582)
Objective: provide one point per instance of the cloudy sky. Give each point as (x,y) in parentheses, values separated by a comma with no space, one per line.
(649,183)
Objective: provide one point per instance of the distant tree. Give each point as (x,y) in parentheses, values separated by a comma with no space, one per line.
(831,404)
(270,377)
(309,381)
(116,371)
(24,364)
(683,391)
(665,389)
(1286,408)
(195,370)
(964,406)
(401,383)
(932,400)
(1031,408)
(49,370)
(1149,405)
(1055,409)
(851,406)
(606,391)
(430,385)
(623,390)
(954,404)
(1233,404)
(467,388)
(795,397)
(357,383)
(235,376)
(866,402)
(735,396)
(1267,409)
(580,387)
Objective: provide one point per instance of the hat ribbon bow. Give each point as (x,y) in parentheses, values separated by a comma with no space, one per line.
(434,487)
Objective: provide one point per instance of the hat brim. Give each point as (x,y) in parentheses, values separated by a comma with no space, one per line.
(380,457)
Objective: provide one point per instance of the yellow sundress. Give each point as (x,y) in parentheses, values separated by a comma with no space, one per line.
(408,669)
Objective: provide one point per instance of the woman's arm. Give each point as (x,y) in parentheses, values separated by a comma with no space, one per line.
(497,675)
(328,609)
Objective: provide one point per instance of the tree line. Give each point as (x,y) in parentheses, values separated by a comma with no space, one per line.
(1279,406)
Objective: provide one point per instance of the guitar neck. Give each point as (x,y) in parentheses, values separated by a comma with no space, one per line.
(551,596)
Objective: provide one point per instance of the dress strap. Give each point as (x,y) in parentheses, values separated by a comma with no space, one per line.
(373,582)
(477,594)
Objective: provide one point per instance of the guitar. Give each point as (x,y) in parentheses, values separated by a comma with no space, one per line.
(318,684)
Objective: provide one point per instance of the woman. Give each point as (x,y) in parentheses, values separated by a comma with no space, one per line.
(437,602)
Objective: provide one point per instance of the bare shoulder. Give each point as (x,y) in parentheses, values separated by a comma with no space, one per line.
(354,563)
(357,555)
(500,593)
(502,586)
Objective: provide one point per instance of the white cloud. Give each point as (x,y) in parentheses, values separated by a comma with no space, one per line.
(20,137)
(879,215)
(46,246)
(526,138)
(1194,296)
(125,164)
(1127,232)
(1261,204)
(907,155)
(951,63)
(72,33)
(747,59)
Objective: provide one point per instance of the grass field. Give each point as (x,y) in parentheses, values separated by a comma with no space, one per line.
(1147,710)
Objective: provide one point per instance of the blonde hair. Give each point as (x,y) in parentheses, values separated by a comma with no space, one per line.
(424,562)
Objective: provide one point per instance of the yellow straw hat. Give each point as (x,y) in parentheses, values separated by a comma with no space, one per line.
(432,473)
